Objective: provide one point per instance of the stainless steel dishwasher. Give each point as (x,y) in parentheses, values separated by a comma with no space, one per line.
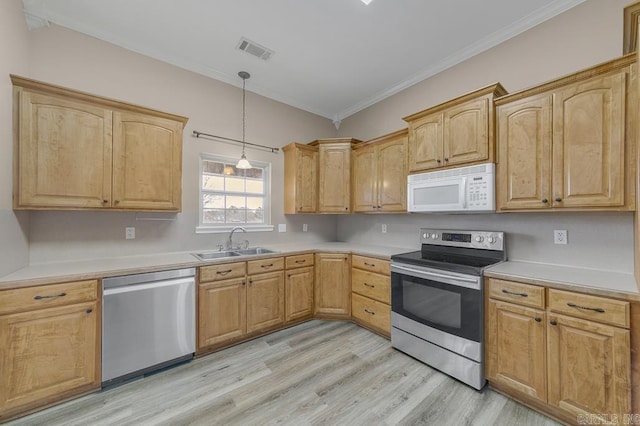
(148,322)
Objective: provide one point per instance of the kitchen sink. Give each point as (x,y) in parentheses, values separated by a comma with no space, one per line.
(255,250)
(232,253)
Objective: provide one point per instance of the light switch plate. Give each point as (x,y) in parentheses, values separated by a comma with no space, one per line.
(282,227)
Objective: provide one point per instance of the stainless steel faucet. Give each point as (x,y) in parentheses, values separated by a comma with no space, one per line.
(229,242)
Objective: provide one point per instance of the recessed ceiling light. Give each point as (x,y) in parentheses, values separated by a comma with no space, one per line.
(366,2)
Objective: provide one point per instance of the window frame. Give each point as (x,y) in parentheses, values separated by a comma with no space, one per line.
(223,228)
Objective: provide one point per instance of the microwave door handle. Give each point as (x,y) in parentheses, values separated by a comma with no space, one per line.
(463,193)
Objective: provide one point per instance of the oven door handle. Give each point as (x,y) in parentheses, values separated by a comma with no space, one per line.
(473,283)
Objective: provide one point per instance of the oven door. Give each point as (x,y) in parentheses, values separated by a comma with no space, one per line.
(445,301)
(437,195)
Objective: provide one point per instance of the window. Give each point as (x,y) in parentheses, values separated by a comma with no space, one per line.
(233,197)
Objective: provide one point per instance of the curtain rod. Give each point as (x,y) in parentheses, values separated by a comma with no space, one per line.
(197,134)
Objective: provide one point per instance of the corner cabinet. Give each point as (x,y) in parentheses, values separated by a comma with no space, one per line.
(78,151)
(334,174)
(568,354)
(300,178)
(570,143)
(457,132)
(380,175)
(49,345)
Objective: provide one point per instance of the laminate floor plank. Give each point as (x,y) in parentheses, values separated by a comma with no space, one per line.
(315,373)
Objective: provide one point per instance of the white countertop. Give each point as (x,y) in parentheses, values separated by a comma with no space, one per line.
(44,273)
(595,281)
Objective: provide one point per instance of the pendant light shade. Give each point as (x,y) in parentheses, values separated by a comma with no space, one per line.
(243,163)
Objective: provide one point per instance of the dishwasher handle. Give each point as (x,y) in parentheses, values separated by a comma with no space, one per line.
(149,277)
(147,286)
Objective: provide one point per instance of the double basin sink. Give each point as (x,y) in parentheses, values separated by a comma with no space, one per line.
(232,253)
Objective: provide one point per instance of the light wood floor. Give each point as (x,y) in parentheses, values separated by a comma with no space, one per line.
(316,373)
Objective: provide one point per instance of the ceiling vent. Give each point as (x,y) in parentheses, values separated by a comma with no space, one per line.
(254,49)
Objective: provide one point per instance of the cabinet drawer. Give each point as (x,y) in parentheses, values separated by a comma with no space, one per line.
(299,261)
(371,285)
(371,264)
(595,308)
(371,312)
(222,272)
(522,294)
(46,296)
(265,265)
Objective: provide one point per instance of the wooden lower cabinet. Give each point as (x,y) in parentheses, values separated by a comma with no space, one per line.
(516,343)
(299,293)
(371,293)
(564,365)
(221,311)
(265,301)
(51,353)
(332,286)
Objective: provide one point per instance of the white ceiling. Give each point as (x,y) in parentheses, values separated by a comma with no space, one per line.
(332,57)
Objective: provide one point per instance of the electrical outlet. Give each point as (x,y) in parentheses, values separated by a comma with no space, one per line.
(305,227)
(560,236)
(384,228)
(130,233)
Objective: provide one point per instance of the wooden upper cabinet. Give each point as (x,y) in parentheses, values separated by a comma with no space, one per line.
(147,162)
(524,154)
(63,152)
(334,175)
(457,132)
(78,151)
(570,143)
(300,178)
(380,174)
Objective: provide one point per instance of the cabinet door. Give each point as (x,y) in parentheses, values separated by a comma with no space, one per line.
(334,162)
(221,311)
(524,154)
(147,162)
(64,154)
(299,293)
(588,144)
(516,342)
(392,176)
(265,301)
(364,180)
(466,132)
(425,143)
(45,354)
(589,367)
(333,287)
(307,184)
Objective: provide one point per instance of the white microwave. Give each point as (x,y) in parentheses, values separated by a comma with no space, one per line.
(460,190)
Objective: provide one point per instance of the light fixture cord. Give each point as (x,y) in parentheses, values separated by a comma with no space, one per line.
(244,81)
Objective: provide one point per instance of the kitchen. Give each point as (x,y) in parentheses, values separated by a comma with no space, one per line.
(61,56)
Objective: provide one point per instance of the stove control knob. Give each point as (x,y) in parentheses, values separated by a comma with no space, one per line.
(426,236)
(479,239)
(434,236)
(492,240)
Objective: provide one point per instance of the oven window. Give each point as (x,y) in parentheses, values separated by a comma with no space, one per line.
(433,304)
(446,194)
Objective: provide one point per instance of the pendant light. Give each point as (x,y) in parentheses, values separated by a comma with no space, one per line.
(243,163)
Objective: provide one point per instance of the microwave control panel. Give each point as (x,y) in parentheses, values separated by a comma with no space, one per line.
(480,193)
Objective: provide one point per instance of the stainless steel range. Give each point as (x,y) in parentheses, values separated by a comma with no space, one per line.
(437,303)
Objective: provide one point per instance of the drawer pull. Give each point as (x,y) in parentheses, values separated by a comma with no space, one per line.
(49,297)
(369,264)
(369,285)
(511,293)
(586,308)
(225,272)
(369,312)
(301,261)
(267,266)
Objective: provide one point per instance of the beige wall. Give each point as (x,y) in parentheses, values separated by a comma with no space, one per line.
(14,39)
(64,57)
(584,36)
